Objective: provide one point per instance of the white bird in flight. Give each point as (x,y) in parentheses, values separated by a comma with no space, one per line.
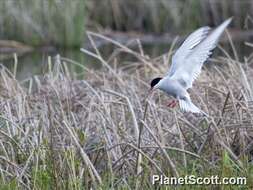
(186,66)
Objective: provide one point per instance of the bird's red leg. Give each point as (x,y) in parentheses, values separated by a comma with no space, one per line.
(170,104)
(174,103)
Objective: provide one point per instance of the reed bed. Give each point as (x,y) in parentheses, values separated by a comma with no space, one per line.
(58,131)
(37,23)
(171,16)
(62,23)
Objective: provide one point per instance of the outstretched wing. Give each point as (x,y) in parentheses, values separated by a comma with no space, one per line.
(193,62)
(191,41)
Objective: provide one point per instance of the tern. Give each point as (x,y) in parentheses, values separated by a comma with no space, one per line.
(186,66)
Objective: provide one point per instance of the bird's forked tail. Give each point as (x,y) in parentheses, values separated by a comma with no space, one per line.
(186,105)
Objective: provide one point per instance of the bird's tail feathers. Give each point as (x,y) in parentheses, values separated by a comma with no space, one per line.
(186,105)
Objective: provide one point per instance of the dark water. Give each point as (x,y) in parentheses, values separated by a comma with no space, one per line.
(35,62)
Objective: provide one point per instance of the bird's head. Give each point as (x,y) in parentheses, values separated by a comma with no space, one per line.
(153,84)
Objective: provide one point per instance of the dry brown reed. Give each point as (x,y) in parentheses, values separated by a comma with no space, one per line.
(77,134)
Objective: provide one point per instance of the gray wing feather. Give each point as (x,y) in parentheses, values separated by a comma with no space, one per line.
(191,41)
(190,67)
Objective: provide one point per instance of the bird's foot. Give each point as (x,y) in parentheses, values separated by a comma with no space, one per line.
(172,104)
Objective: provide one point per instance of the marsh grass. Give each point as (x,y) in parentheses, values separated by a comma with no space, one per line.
(49,22)
(58,131)
(171,16)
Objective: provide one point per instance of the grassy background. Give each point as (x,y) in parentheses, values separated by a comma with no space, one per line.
(63,23)
(162,16)
(50,22)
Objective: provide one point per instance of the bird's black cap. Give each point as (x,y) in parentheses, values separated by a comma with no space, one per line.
(155,81)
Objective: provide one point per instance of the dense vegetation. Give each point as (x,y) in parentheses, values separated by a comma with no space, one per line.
(50,22)
(96,130)
(63,22)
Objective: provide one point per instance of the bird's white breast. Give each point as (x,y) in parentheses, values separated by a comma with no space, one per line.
(171,87)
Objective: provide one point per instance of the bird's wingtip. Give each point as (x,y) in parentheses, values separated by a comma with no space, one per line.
(230,18)
(228,21)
